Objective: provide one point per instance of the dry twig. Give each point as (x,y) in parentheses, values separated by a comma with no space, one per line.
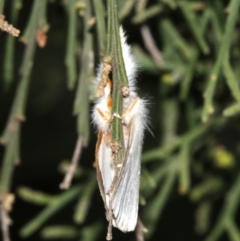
(5,26)
(74,163)
(5,223)
(151,46)
(106,69)
(140,230)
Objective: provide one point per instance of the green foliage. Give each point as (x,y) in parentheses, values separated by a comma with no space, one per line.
(191,49)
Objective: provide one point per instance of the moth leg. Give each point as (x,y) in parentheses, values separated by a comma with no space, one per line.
(116,115)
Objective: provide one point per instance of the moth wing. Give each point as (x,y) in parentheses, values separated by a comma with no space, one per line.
(126,199)
(105,170)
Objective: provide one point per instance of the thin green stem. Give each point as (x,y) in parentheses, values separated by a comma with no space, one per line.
(114,49)
(155,208)
(8,162)
(12,130)
(184,170)
(101,26)
(1,6)
(222,55)
(233,230)
(228,211)
(232,110)
(186,82)
(57,204)
(190,136)
(81,104)
(177,40)
(70,59)
(8,71)
(231,79)
(126,9)
(110,25)
(35,197)
(63,232)
(85,201)
(193,24)
(147,13)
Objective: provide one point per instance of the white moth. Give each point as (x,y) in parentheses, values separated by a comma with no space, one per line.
(123,211)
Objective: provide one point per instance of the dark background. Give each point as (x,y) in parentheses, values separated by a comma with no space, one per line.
(49,134)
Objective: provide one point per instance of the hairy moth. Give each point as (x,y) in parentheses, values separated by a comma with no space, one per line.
(121,205)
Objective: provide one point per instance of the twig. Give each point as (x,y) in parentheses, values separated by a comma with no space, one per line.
(5,223)
(140,230)
(101,28)
(145,14)
(8,67)
(189,137)
(81,102)
(74,163)
(106,69)
(151,46)
(222,54)
(1,6)
(55,204)
(126,9)
(70,58)
(227,213)
(5,26)
(193,24)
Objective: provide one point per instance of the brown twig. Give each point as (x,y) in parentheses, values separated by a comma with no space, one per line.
(74,163)
(106,69)
(5,223)
(151,46)
(5,26)
(140,230)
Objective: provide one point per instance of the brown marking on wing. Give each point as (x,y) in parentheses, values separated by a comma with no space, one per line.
(109,100)
(104,114)
(109,84)
(107,138)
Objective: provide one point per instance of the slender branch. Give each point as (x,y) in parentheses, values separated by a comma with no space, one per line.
(70,59)
(5,26)
(8,71)
(144,15)
(55,205)
(74,163)
(1,6)
(126,8)
(5,223)
(140,230)
(152,47)
(193,23)
(101,26)
(190,136)
(186,82)
(119,80)
(228,211)
(85,199)
(222,54)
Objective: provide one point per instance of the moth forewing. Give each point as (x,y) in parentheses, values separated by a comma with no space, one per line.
(99,174)
(126,198)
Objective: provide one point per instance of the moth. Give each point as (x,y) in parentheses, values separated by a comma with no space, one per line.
(121,197)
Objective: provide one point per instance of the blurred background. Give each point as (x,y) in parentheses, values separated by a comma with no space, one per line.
(188,56)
